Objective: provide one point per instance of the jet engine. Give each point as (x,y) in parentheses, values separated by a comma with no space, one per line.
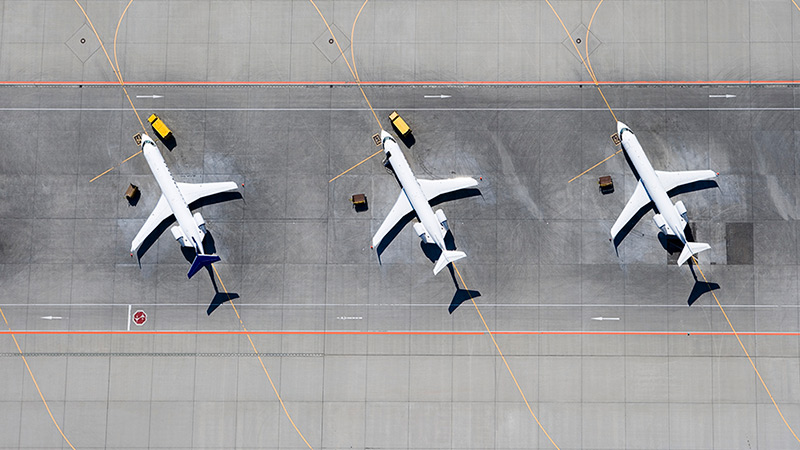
(662,224)
(442,219)
(681,210)
(177,233)
(419,228)
(201,223)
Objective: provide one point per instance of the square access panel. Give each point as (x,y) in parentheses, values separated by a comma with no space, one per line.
(739,243)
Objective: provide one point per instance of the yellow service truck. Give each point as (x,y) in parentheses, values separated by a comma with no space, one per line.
(161,129)
(399,124)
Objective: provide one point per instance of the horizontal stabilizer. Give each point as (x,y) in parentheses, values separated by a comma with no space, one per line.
(690,249)
(446,258)
(201,261)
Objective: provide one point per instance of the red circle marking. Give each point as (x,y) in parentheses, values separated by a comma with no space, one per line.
(139,317)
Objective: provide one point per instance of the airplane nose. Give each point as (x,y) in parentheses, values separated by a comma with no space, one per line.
(384,135)
(620,127)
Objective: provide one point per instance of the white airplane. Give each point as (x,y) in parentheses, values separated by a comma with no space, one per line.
(175,200)
(653,186)
(415,196)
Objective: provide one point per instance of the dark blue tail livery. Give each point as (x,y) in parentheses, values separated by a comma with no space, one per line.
(201,261)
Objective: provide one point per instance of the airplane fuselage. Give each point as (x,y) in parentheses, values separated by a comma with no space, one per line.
(413,191)
(652,184)
(172,194)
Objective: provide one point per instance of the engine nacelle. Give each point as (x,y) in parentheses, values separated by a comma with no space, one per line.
(177,233)
(442,219)
(419,228)
(681,210)
(662,224)
(201,223)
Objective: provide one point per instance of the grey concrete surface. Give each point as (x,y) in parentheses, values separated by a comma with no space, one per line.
(401,40)
(298,256)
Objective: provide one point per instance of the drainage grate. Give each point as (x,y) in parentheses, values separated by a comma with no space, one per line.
(578,35)
(83,43)
(327,45)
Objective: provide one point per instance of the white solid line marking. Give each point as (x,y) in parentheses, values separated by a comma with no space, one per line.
(129,317)
(605,318)
(149,96)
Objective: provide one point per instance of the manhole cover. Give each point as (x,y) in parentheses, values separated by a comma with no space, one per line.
(83,43)
(578,37)
(327,45)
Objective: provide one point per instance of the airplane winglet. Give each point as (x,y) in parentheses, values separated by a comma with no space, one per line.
(201,261)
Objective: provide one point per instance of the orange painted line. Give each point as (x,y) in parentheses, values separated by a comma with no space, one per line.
(411,333)
(390,83)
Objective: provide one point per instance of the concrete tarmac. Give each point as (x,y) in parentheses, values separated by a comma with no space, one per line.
(613,348)
(297,254)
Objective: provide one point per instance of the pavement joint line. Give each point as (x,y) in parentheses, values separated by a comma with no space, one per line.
(404,332)
(258,355)
(160,354)
(118,74)
(354,73)
(510,372)
(410,305)
(113,69)
(35,383)
(741,344)
(432,83)
(341,52)
(591,74)
(520,109)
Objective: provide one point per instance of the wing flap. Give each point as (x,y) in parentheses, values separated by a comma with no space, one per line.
(435,188)
(671,180)
(638,200)
(401,207)
(160,213)
(192,192)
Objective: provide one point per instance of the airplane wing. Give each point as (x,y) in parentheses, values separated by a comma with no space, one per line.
(435,188)
(192,192)
(401,207)
(671,180)
(160,213)
(638,200)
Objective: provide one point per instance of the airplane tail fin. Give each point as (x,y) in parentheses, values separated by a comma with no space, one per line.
(201,261)
(690,249)
(446,258)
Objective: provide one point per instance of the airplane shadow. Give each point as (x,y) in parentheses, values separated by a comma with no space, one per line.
(219,297)
(700,286)
(408,140)
(461,295)
(463,193)
(168,142)
(163,226)
(693,187)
